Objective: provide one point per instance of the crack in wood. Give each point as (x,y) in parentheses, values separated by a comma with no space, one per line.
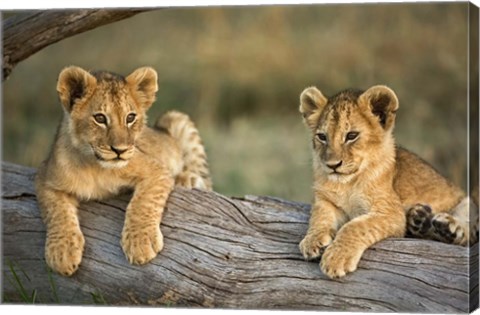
(19,196)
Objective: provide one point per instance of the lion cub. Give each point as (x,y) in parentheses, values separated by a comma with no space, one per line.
(366,188)
(102,147)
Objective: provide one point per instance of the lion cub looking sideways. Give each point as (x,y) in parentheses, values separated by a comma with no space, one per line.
(366,189)
(102,147)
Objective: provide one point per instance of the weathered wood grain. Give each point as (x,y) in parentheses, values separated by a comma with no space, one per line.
(229,253)
(25,34)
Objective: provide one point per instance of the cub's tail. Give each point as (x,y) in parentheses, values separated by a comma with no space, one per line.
(195,173)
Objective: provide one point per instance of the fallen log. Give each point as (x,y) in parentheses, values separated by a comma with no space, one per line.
(226,253)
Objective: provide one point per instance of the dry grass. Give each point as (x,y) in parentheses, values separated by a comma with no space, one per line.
(261,156)
(239,71)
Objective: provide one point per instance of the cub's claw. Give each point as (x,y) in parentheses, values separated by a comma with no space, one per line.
(337,261)
(313,245)
(64,250)
(142,245)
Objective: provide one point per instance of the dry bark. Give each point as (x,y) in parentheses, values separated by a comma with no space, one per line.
(228,253)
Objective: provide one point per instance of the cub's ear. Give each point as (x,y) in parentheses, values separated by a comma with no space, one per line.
(74,84)
(312,103)
(143,84)
(382,102)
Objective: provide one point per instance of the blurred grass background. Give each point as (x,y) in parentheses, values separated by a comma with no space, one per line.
(238,71)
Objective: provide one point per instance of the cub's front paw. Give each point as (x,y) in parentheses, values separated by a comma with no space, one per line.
(63,250)
(141,245)
(313,244)
(337,261)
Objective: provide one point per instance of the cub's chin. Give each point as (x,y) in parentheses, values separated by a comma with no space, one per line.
(113,164)
(340,178)
(343,177)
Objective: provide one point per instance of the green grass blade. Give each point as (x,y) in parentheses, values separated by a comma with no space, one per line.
(34,296)
(12,283)
(18,283)
(98,298)
(24,273)
(52,285)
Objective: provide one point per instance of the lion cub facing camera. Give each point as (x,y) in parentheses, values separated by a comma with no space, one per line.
(366,189)
(103,146)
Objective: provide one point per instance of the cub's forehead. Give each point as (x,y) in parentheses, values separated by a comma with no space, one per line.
(108,76)
(111,93)
(344,101)
(109,82)
(111,86)
(341,110)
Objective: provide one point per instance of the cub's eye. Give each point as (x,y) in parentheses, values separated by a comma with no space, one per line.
(352,135)
(322,137)
(100,118)
(131,118)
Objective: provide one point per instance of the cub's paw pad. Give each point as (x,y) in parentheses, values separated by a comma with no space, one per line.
(313,246)
(63,251)
(419,220)
(337,261)
(141,245)
(447,229)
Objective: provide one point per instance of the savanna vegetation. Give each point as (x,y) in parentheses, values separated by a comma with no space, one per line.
(238,71)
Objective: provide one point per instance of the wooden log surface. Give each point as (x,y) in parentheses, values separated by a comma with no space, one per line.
(227,253)
(26,33)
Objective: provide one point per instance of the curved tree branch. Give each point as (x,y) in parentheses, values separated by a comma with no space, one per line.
(25,34)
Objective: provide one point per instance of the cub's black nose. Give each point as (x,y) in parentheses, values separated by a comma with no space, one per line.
(119,151)
(334,165)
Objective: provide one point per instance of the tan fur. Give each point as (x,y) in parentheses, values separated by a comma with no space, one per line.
(195,173)
(363,184)
(96,157)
